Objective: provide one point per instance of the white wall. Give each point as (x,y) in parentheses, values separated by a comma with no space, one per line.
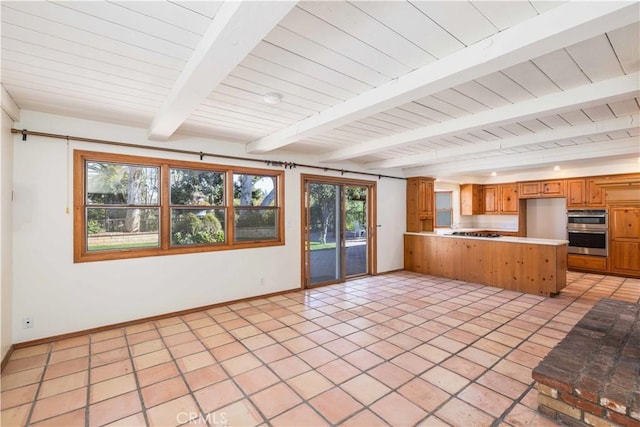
(64,297)
(547,218)
(6,219)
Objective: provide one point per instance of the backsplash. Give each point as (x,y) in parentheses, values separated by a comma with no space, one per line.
(500,222)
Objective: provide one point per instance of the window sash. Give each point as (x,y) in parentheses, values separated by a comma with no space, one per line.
(447,210)
(225,213)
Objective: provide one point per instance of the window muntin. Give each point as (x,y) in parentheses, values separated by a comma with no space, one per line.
(444,209)
(122,206)
(176,207)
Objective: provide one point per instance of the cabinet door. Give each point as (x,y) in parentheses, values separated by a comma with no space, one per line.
(471,199)
(576,193)
(529,189)
(509,199)
(595,194)
(625,223)
(425,198)
(624,256)
(490,199)
(552,188)
(413,220)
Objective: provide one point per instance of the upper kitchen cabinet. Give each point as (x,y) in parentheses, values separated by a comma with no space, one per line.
(508,199)
(420,204)
(501,199)
(584,192)
(491,199)
(471,199)
(540,189)
(620,190)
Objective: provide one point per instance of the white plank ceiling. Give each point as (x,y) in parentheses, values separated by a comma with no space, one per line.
(444,88)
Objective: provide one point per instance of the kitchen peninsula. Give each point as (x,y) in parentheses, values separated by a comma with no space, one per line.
(533,266)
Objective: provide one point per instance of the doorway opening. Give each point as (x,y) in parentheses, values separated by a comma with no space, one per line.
(338,227)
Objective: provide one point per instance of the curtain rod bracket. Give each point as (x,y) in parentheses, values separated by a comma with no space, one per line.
(201,156)
(24,134)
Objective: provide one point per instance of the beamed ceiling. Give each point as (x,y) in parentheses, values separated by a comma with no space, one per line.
(440,87)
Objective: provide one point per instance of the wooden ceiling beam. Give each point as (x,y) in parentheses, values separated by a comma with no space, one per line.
(565,133)
(236,29)
(590,95)
(562,26)
(9,106)
(553,156)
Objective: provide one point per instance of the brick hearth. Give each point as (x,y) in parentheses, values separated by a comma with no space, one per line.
(592,377)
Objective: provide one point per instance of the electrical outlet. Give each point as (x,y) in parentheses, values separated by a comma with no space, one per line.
(27,322)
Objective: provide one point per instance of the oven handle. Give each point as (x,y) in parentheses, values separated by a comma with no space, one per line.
(587,232)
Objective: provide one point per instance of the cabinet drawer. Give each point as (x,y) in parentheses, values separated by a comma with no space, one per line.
(586,262)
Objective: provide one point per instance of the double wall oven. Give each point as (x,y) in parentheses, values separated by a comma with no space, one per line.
(587,231)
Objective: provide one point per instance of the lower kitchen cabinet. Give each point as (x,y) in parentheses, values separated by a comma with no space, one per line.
(625,240)
(625,256)
(587,262)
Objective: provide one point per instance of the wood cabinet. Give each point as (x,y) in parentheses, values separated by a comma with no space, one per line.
(514,265)
(420,204)
(508,199)
(541,189)
(471,199)
(587,262)
(576,193)
(624,250)
(501,199)
(491,199)
(583,192)
(595,194)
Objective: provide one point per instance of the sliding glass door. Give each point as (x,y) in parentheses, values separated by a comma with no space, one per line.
(336,230)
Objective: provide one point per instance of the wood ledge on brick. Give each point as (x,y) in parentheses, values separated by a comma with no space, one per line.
(592,377)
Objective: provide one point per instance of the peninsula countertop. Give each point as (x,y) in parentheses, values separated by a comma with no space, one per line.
(504,239)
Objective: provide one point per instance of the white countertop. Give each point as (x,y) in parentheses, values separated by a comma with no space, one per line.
(491,229)
(505,239)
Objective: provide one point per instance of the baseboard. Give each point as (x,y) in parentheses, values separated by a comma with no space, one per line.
(138,321)
(6,358)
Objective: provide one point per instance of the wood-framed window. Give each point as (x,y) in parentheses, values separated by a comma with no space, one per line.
(444,208)
(131,206)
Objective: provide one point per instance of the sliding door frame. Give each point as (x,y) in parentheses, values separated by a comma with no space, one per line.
(372,236)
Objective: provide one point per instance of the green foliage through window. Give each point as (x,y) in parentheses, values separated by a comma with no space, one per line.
(123,206)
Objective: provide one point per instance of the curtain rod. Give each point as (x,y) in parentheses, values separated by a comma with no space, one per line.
(201,154)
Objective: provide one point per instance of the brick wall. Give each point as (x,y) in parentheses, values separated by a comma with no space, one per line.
(592,377)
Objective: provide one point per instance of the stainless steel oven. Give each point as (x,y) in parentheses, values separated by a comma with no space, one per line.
(587,231)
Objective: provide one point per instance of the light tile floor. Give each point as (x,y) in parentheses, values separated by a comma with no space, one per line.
(398,349)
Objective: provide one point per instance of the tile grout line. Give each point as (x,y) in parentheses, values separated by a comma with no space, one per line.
(135,378)
(282,380)
(35,396)
(181,374)
(87,407)
(585,290)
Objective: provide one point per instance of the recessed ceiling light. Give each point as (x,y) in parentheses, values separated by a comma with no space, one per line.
(272,98)
(556,168)
(494,173)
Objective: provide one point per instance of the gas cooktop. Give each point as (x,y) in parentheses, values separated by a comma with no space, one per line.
(474,234)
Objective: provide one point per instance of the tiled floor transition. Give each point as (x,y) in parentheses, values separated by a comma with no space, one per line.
(398,349)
